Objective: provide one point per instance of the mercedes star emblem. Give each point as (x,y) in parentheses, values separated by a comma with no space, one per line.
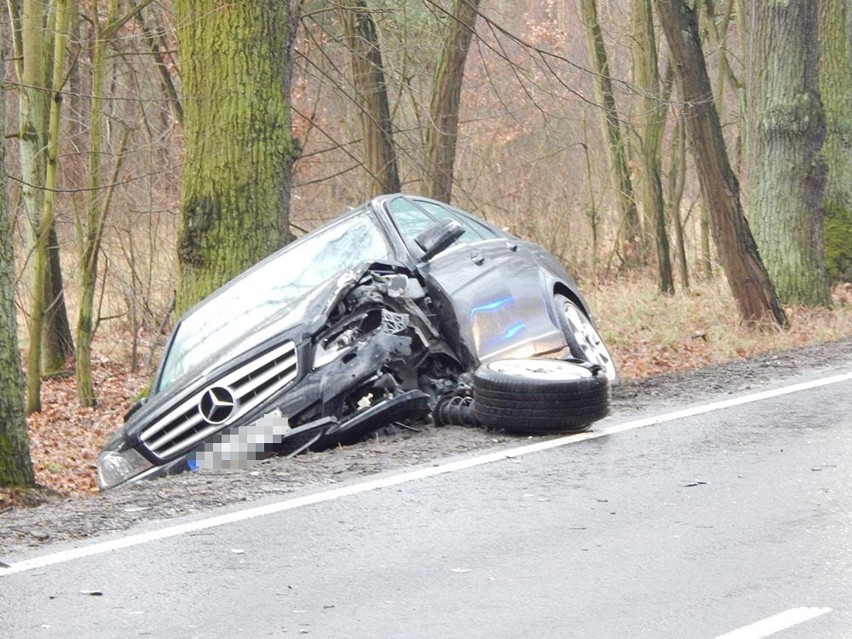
(217,404)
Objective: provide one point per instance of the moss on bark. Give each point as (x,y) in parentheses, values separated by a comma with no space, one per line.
(239,149)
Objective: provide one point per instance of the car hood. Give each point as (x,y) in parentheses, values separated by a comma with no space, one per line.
(296,321)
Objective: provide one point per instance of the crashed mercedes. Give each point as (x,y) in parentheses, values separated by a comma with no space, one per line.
(402,309)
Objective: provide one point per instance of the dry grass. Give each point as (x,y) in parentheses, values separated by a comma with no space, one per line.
(651,334)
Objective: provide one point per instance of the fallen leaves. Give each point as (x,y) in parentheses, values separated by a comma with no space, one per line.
(65,439)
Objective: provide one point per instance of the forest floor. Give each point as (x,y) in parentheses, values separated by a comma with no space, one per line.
(668,349)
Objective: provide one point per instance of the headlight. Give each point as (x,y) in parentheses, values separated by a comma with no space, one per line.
(115,467)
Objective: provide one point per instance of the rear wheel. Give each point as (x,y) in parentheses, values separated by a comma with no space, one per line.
(582,337)
(540,395)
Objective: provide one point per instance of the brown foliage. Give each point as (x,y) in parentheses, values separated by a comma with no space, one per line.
(65,439)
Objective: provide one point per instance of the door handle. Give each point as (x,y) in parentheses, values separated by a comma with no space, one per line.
(477,258)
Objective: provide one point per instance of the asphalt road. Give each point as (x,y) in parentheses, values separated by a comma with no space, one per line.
(727,520)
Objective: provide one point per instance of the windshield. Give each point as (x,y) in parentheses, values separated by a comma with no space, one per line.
(245,304)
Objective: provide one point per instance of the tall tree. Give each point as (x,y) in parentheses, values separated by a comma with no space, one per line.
(446,97)
(371,96)
(746,275)
(613,134)
(836,91)
(674,193)
(646,77)
(35,35)
(15,467)
(786,170)
(99,196)
(236,62)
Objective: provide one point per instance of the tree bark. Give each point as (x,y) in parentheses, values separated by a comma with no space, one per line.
(371,96)
(98,200)
(235,65)
(725,73)
(836,91)
(746,275)
(619,172)
(446,97)
(676,184)
(16,469)
(646,76)
(57,345)
(50,339)
(786,171)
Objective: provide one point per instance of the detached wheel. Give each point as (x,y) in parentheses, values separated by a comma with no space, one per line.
(538,396)
(582,337)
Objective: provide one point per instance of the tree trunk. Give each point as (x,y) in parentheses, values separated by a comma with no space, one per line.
(613,135)
(371,96)
(98,195)
(725,73)
(836,91)
(747,277)
(15,467)
(446,97)
(34,101)
(154,37)
(646,76)
(97,205)
(676,184)
(57,345)
(786,172)
(48,325)
(235,65)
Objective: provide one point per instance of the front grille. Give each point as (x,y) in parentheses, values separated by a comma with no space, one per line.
(182,425)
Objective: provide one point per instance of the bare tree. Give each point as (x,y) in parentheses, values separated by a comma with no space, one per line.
(16,469)
(368,79)
(674,192)
(39,33)
(615,144)
(99,196)
(646,76)
(747,277)
(442,133)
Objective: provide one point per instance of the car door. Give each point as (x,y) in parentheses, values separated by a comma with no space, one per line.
(488,288)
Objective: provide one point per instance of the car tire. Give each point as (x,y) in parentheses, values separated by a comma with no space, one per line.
(540,396)
(582,337)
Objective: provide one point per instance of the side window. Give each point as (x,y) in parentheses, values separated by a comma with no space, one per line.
(410,221)
(412,217)
(472,232)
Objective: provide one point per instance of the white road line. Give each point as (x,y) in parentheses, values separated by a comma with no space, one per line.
(128,541)
(776,623)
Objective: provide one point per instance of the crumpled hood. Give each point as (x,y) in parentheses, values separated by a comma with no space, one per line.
(296,321)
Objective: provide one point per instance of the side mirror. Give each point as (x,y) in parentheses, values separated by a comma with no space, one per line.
(135,408)
(438,238)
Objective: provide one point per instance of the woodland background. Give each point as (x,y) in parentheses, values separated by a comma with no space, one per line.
(570,121)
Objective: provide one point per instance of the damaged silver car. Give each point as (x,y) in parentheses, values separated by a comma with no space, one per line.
(403,309)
